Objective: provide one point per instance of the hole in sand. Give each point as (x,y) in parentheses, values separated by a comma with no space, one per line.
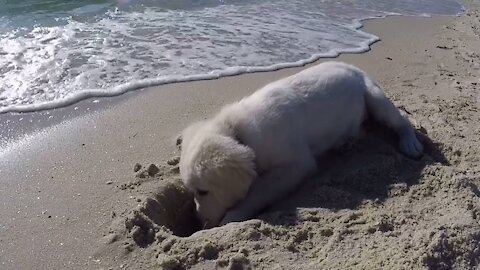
(171,206)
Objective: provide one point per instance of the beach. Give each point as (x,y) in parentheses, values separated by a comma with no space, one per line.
(73,198)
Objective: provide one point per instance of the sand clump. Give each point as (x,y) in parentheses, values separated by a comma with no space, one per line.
(368,208)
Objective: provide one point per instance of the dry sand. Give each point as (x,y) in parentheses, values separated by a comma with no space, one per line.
(73,196)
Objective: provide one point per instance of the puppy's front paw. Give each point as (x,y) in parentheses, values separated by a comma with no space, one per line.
(233,216)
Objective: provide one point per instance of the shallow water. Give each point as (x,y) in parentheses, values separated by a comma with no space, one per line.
(54,52)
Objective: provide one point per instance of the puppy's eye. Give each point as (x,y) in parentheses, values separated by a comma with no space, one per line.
(202,192)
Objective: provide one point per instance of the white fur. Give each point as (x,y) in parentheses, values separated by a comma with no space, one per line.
(259,149)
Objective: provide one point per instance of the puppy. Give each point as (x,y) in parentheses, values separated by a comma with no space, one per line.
(257,150)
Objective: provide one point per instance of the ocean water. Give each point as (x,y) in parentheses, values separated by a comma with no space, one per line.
(56,52)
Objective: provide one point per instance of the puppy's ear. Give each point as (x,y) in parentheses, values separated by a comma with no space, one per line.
(234,170)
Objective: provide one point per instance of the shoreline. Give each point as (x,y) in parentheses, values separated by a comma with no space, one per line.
(60,184)
(35,117)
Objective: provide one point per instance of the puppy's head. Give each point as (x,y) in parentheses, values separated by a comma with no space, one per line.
(217,169)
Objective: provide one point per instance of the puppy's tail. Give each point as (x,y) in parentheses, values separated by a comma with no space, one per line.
(383,110)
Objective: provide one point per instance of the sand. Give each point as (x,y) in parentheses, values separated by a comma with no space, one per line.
(74,196)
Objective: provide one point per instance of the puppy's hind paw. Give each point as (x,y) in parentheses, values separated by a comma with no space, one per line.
(411,146)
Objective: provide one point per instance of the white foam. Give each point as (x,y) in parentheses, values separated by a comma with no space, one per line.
(120,51)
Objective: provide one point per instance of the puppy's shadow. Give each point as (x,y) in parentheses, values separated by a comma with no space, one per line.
(367,169)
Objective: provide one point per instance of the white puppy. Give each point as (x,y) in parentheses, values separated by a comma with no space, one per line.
(259,149)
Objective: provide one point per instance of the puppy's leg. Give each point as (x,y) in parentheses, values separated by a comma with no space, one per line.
(385,112)
(270,187)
